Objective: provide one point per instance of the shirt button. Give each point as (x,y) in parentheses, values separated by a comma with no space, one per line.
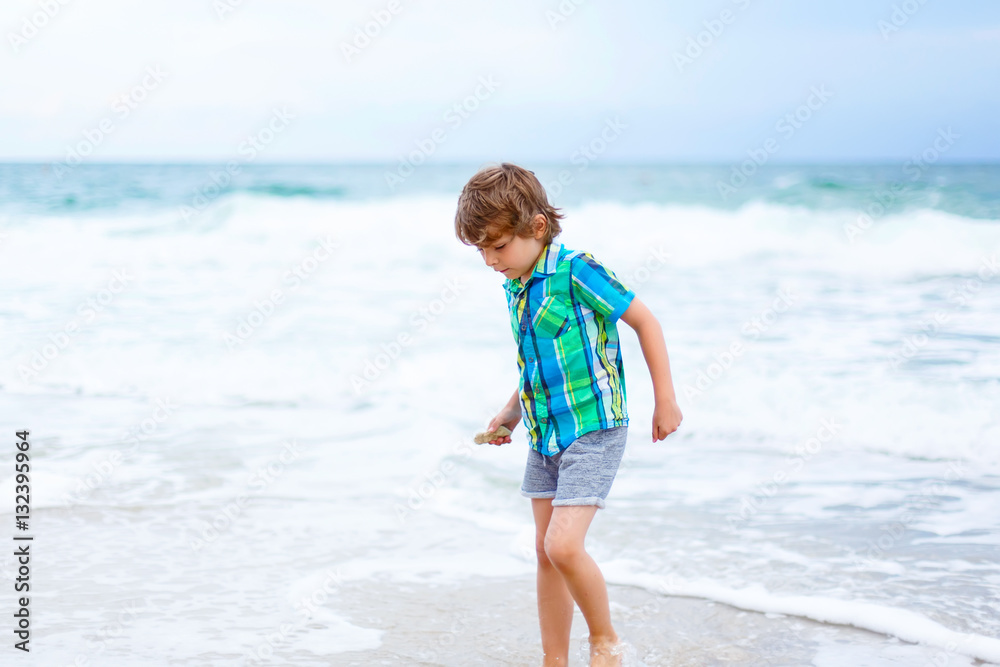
(544,420)
(523,327)
(531,359)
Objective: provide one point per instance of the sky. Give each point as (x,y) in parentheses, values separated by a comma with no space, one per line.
(374,80)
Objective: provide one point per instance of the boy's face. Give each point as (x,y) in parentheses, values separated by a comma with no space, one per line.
(513,255)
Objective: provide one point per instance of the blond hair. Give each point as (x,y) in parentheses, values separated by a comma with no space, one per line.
(502,199)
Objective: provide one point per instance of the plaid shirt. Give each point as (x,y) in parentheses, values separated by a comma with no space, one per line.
(564,322)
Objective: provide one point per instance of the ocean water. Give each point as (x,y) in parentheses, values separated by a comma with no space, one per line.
(252,398)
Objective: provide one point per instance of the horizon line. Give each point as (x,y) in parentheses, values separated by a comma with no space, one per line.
(152,162)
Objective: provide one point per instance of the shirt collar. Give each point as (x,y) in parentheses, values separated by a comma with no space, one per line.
(545,266)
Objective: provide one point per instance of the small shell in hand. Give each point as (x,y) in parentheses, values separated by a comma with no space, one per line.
(486,436)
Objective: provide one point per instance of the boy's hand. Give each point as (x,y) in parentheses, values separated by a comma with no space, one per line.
(509,417)
(666,418)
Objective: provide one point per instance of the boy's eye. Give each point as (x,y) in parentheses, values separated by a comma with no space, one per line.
(500,246)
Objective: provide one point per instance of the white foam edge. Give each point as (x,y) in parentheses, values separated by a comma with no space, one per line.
(901,623)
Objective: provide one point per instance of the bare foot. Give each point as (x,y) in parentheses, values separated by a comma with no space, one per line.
(606,653)
(554,661)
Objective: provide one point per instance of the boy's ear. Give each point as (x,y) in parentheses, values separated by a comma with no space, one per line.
(540,224)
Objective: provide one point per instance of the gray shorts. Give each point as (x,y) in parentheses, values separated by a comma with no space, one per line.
(581,474)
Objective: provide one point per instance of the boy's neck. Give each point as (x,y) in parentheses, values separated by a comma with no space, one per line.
(524,279)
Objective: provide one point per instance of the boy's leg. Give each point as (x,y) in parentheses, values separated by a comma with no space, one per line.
(563,546)
(555,604)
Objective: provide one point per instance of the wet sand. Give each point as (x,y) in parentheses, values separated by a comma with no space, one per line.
(495,623)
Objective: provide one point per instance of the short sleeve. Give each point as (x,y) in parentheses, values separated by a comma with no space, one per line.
(598,287)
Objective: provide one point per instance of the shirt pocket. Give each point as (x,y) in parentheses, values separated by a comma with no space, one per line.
(551,317)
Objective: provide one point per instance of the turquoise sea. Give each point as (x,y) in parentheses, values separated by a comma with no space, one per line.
(252,391)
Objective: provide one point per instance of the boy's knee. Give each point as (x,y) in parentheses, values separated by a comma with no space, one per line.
(543,558)
(560,551)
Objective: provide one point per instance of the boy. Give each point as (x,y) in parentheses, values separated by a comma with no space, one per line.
(564,306)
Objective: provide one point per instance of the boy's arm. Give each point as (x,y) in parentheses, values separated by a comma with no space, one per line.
(510,416)
(666,413)
(515,400)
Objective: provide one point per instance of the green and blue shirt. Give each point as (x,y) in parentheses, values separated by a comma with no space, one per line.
(565,324)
